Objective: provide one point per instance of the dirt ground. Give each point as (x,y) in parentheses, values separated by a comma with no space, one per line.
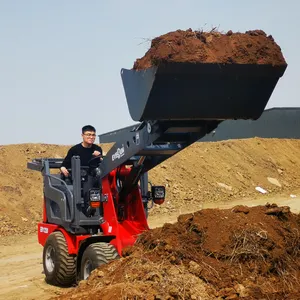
(251,47)
(203,176)
(21,265)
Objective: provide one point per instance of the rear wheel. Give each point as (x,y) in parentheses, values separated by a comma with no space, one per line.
(59,265)
(95,255)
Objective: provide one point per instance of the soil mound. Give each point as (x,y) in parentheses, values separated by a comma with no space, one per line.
(251,47)
(252,253)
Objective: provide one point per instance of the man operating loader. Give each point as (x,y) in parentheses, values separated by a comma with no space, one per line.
(86,150)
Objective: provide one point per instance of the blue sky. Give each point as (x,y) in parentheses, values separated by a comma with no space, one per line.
(60,60)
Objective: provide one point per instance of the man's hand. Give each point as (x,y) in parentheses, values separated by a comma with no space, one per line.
(64,171)
(96,153)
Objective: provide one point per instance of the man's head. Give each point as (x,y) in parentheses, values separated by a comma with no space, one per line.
(88,135)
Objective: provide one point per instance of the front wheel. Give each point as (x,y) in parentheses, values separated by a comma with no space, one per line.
(95,255)
(59,265)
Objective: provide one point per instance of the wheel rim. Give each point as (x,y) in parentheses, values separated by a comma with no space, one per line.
(87,269)
(49,259)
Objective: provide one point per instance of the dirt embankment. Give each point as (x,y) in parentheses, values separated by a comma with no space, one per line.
(203,173)
(21,190)
(251,47)
(227,171)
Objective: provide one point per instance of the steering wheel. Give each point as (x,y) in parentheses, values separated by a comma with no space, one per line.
(83,173)
(95,161)
(94,165)
(84,170)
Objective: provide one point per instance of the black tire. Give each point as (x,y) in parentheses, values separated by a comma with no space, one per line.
(59,265)
(95,255)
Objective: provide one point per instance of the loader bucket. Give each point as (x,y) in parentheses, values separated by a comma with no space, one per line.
(195,91)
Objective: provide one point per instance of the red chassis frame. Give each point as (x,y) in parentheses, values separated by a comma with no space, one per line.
(123,232)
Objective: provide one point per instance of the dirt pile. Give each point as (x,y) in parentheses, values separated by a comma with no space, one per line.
(222,172)
(251,47)
(252,253)
(219,172)
(21,190)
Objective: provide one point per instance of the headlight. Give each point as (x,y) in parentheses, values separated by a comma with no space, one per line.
(158,192)
(95,195)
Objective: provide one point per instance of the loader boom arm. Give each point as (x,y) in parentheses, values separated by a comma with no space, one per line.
(150,143)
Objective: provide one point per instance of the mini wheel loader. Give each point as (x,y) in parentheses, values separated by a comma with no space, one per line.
(88,220)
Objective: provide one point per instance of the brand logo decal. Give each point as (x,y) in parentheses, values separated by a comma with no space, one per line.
(119,153)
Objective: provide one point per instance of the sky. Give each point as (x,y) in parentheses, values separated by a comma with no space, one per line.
(60,60)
